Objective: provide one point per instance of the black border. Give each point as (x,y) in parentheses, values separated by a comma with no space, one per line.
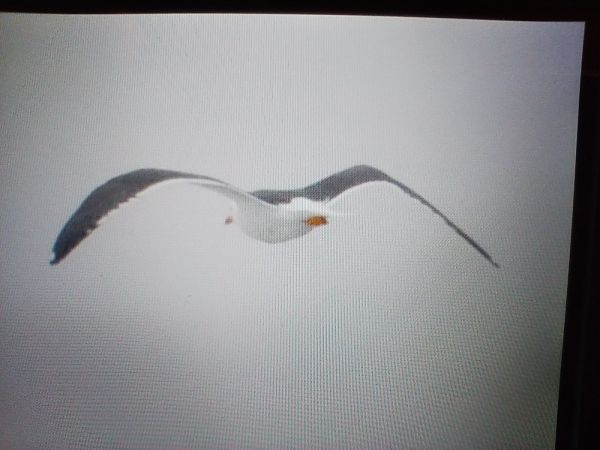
(510,10)
(578,411)
(577,426)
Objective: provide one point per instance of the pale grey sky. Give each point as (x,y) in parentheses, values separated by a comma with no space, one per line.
(166,328)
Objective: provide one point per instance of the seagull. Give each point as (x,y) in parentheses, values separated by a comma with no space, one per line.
(266,215)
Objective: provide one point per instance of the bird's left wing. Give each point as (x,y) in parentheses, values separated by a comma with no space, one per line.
(334,185)
(118,190)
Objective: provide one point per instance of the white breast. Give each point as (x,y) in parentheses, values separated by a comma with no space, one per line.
(272,224)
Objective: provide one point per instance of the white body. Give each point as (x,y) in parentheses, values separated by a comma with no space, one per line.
(271,223)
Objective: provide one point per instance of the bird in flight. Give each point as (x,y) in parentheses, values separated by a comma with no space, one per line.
(267,215)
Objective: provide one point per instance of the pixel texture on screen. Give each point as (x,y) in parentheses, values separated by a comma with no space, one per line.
(168,327)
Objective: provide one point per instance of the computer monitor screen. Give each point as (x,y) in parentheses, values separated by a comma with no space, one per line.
(348,232)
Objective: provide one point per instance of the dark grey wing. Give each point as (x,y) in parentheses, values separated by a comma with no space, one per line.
(107,197)
(332,186)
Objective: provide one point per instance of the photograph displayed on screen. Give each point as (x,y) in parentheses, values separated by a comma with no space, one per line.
(284,231)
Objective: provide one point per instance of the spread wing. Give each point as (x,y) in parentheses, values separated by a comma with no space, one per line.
(334,185)
(122,188)
(118,190)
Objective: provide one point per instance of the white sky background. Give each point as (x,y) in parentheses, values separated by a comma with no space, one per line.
(383,329)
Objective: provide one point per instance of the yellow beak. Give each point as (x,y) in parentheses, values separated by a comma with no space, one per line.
(316,221)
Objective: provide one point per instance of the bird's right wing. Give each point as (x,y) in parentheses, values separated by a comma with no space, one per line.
(120,189)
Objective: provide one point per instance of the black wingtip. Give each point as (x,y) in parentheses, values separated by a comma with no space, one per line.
(54,261)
